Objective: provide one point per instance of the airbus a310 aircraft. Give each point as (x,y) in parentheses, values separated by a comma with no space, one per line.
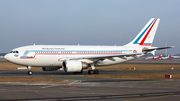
(76,58)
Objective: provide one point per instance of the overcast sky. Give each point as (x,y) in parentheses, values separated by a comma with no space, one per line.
(86,22)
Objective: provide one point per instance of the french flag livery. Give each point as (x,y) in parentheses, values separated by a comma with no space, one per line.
(146,35)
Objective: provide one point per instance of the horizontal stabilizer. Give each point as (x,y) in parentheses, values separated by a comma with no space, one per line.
(154,49)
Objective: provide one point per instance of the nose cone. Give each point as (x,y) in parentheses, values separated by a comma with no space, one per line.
(7,57)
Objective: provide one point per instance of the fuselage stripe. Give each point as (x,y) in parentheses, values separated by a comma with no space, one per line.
(31,54)
(25,57)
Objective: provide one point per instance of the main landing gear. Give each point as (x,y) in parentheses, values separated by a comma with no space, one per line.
(93,71)
(29,72)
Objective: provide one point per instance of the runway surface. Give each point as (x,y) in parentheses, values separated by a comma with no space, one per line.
(90,88)
(24,73)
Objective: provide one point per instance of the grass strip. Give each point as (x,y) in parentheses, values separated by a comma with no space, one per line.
(146,76)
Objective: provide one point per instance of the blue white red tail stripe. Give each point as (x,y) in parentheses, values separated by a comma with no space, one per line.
(146,35)
(142,42)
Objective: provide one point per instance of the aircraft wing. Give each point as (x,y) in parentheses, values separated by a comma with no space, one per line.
(99,57)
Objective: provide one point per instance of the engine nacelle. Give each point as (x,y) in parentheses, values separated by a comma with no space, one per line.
(50,68)
(73,66)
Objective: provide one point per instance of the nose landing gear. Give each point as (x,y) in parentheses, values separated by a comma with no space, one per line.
(29,72)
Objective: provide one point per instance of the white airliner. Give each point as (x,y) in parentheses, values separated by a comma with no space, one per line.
(75,58)
(175,57)
(167,57)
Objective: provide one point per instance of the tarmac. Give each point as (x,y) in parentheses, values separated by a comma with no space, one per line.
(89,88)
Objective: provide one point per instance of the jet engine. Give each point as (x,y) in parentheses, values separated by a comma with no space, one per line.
(73,66)
(50,68)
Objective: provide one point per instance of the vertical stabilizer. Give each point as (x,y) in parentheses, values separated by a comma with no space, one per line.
(146,35)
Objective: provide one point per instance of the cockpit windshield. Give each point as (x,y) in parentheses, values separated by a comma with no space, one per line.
(14,52)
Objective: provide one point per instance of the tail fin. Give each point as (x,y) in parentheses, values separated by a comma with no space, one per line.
(146,35)
(160,55)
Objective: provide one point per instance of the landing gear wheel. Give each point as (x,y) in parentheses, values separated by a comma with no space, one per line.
(30,72)
(90,72)
(96,72)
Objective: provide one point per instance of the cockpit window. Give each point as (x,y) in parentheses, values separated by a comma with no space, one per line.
(14,52)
